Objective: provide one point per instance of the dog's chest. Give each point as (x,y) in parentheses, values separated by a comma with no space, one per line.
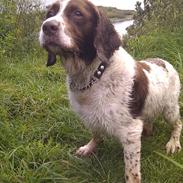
(100,108)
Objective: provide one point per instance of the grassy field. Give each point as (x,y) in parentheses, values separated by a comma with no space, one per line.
(39,133)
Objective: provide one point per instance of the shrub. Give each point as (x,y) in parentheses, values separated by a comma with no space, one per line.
(19,25)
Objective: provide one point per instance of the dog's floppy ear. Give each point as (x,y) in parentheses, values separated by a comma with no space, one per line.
(106,39)
(51,59)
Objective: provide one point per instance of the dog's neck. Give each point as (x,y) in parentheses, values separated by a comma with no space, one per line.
(82,75)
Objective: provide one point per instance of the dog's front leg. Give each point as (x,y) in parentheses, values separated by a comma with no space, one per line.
(90,147)
(131,140)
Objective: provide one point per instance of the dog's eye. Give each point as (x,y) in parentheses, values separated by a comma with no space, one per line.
(50,14)
(78,13)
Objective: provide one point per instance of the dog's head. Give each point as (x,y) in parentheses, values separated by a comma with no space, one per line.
(77,27)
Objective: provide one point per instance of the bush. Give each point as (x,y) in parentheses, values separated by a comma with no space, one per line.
(19,25)
(157,15)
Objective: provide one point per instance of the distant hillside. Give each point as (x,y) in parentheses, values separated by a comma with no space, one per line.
(116,14)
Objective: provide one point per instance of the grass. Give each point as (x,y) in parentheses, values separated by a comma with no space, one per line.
(39,133)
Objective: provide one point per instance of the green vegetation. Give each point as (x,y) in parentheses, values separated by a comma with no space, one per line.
(157,15)
(19,26)
(39,133)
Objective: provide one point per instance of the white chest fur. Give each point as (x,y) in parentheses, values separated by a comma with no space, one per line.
(104,107)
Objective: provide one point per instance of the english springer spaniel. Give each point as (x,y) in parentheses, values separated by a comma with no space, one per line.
(111,92)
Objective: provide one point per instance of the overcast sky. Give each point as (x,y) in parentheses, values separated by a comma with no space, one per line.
(120,4)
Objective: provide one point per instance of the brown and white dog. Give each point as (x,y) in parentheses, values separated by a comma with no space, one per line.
(111,92)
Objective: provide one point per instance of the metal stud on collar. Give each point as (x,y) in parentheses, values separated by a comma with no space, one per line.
(97,75)
(102,67)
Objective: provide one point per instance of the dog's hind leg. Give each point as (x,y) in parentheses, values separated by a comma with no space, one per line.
(131,141)
(172,116)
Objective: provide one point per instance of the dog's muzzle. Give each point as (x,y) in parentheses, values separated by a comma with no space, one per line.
(50,28)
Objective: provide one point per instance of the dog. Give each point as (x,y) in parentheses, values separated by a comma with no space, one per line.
(112,93)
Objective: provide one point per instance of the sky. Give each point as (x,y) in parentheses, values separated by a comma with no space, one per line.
(120,4)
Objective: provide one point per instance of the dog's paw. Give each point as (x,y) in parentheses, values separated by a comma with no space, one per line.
(85,150)
(173,146)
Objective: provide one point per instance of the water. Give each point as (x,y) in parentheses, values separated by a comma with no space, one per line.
(121,26)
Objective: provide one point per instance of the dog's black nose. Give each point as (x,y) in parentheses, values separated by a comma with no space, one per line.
(51,27)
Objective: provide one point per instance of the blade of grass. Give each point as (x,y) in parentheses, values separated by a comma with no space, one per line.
(169,159)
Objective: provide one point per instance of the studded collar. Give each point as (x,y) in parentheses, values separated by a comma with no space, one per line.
(96,76)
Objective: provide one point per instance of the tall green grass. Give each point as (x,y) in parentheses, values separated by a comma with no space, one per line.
(39,133)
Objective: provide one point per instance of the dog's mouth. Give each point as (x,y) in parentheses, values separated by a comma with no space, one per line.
(54,48)
(58,48)
(54,45)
